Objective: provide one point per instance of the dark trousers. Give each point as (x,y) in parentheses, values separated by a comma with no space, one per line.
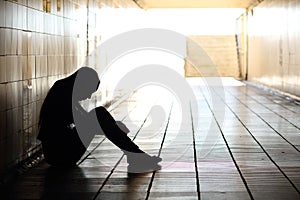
(114,133)
(68,148)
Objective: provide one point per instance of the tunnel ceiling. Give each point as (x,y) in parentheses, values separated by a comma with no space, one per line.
(148,4)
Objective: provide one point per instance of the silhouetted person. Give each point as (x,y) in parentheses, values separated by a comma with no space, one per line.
(66,129)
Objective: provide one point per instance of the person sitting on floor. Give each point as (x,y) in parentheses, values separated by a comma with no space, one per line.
(66,129)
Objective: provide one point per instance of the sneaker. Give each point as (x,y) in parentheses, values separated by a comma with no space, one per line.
(142,158)
(142,162)
(138,168)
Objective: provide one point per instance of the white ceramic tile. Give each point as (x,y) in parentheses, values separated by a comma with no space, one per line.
(14,41)
(20,16)
(60,64)
(24,67)
(50,65)
(55,65)
(60,25)
(45,44)
(20,42)
(24,18)
(31,19)
(37,19)
(11,68)
(2,14)
(8,14)
(19,67)
(38,61)
(42,25)
(49,44)
(30,43)
(44,66)
(2,69)
(8,42)
(15,16)
(45,22)
(24,42)
(14,94)
(31,67)
(2,41)
(38,44)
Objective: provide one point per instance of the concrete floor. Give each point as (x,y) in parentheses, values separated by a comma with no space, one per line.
(237,142)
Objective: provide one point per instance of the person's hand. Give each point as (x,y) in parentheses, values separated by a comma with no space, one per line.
(122,126)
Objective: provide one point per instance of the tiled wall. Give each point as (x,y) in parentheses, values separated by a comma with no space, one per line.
(40,41)
(38,46)
(274,45)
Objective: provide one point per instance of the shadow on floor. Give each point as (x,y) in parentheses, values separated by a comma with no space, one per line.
(48,183)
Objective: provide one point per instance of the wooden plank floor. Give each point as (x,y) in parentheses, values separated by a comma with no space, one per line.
(241,143)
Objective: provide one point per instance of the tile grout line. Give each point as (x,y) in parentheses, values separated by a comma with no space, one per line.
(264,121)
(117,163)
(159,152)
(229,150)
(195,156)
(293,185)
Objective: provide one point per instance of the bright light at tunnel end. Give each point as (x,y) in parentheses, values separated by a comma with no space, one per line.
(158,50)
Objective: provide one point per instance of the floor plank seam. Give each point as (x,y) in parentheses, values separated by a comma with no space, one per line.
(265,122)
(293,185)
(275,113)
(113,169)
(90,153)
(257,90)
(229,150)
(195,156)
(159,152)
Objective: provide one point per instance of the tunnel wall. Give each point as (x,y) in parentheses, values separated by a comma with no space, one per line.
(274,45)
(41,41)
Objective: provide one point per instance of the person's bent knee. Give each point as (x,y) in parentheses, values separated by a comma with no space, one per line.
(100,109)
(103,114)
